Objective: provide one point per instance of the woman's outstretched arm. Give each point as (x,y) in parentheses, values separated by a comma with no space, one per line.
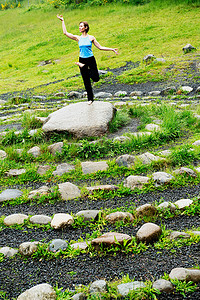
(69,35)
(103,48)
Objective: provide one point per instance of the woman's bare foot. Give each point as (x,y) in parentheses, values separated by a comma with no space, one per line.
(90,102)
(79,64)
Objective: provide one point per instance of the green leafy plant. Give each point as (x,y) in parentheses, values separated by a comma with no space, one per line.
(184,287)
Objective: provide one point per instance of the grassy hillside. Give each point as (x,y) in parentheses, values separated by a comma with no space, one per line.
(31,35)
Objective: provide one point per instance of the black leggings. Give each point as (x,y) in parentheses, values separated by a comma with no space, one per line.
(89,70)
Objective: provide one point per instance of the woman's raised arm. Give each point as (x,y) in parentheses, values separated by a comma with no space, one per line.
(69,35)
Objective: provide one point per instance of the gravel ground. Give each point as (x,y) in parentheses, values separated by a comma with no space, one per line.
(17,275)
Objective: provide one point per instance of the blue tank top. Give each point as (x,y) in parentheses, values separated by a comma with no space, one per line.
(85,46)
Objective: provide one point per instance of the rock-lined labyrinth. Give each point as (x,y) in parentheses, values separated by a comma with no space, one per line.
(81,222)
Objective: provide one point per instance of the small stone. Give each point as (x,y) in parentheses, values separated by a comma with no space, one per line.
(188,48)
(163,285)
(98,286)
(149,232)
(75,94)
(57,245)
(69,191)
(15,172)
(146,210)
(61,220)
(103,187)
(125,288)
(134,181)
(147,158)
(8,252)
(149,58)
(15,219)
(175,235)
(28,248)
(196,143)
(62,169)
(89,215)
(59,94)
(3,154)
(43,190)
(43,169)
(40,219)
(125,160)
(154,93)
(120,94)
(136,93)
(121,139)
(110,238)
(39,292)
(165,205)
(54,148)
(183,203)
(162,177)
(35,151)
(10,194)
(80,245)
(103,95)
(168,91)
(152,127)
(186,89)
(119,216)
(89,167)
(41,119)
(39,97)
(165,152)
(79,296)
(187,171)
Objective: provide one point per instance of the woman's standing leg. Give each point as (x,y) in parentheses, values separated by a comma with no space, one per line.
(86,78)
(94,74)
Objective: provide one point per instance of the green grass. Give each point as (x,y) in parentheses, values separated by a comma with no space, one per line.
(29,36)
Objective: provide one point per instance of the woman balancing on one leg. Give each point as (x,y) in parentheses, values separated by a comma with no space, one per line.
(87,62)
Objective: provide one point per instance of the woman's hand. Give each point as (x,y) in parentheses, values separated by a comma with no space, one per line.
(116,51)
(60,17)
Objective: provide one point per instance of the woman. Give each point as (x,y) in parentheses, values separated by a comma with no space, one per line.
(87,62)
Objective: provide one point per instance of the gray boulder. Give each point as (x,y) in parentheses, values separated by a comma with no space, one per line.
(81,119)
(185,274)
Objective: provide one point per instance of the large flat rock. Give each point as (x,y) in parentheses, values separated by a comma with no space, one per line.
(81,119)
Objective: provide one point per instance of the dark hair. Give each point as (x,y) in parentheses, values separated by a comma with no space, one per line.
(86,25)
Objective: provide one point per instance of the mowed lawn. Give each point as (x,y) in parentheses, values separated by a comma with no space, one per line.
(29,37)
